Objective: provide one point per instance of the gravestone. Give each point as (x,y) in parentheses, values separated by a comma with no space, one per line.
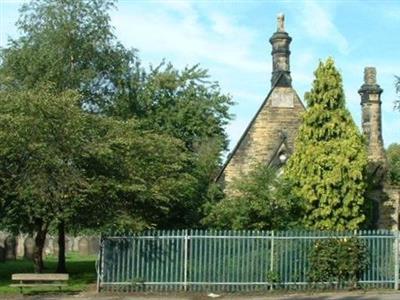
(68,244)
(29,247)
(48,249)
(20,245)
(75,246)
(55,246)
(83,246)
(94,245)
(10,248)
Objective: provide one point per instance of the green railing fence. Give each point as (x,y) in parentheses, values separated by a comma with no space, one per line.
(210,260)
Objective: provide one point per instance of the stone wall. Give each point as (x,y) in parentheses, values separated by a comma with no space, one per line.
(21,246)
(389,208)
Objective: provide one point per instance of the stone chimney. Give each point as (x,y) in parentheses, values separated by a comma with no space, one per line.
(370,93)
(280,41)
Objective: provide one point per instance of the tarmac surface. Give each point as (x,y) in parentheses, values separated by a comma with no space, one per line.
(372,295)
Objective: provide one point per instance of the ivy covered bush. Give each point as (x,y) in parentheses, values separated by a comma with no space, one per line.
(339,261)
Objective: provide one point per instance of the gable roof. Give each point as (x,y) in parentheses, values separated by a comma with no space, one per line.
(232,153)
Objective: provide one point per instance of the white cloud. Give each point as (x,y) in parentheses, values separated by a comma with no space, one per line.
(217,39)
(183,7)
(317,23)
(391,12)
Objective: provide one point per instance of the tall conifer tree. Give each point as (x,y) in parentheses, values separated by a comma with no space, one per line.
(327,167)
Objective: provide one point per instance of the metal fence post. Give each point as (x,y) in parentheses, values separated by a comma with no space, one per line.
(396,260)
(185,262)
(271,267)
(99,266)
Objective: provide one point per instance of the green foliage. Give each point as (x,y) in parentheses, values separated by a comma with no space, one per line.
(393,156)
(147,159)
(187,106)
(181,103)
(41,141)
(340,260)
(328,165)
(42,176)
(259,200)
(70,44)
(141,175)
(60,163)
(273,277)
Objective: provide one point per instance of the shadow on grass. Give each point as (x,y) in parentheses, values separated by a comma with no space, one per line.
(81,271)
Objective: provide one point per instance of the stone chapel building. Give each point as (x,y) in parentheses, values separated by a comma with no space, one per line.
(270,136)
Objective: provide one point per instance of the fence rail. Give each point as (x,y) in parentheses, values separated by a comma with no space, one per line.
(199,260)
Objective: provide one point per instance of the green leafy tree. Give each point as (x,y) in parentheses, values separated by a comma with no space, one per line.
(69,43)
(393,156)
(60,165)
(143,174)
(42,180)
(259,200)
(328,165)
(185,105)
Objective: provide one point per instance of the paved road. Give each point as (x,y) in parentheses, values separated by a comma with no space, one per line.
(322,296)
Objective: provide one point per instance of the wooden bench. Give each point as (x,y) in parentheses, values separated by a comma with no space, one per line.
(39,280)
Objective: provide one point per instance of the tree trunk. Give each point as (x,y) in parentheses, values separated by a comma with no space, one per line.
(38,251)
(61,267)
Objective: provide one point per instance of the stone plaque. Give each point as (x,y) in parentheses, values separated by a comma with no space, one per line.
(281,98)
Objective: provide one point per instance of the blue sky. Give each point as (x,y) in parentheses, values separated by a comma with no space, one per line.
(230,39)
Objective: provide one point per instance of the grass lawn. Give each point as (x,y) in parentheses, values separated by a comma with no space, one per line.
(81,271)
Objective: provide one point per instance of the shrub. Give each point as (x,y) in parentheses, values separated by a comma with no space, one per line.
(327,167)
(338,260)
(393,156)
(259,200)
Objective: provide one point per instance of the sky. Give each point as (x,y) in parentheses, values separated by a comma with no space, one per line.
(231,39)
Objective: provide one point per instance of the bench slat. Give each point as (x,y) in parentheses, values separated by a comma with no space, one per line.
(39,285)
(41,277)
